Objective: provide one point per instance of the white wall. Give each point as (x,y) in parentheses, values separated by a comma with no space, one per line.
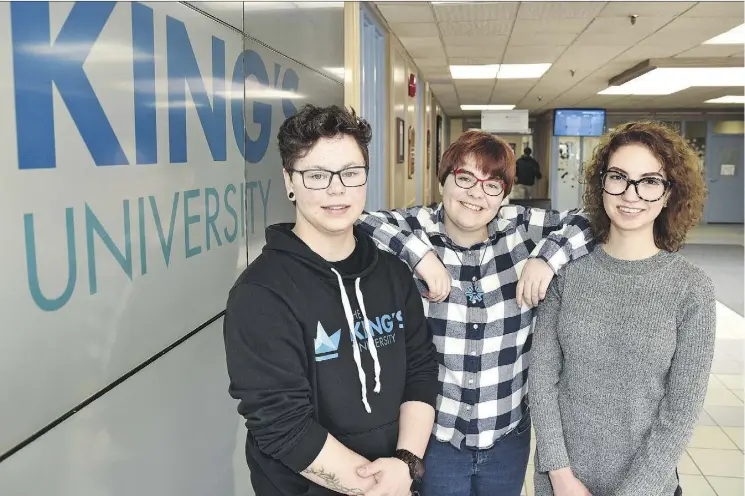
(109,122)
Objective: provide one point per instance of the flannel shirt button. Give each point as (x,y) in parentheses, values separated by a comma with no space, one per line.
(473,278)
(470,381)
(475,326)
(468,408)
(473,353)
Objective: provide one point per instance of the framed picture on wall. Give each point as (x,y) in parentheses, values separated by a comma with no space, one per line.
(438,143)
(429,151)
(412,151)
(399,140)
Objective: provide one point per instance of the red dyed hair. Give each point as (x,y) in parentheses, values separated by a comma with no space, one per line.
(492,155)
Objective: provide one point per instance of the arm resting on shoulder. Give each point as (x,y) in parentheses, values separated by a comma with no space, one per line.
(560,237)
(401,232)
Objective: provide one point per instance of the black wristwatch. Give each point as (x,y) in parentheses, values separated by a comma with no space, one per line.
(416,465)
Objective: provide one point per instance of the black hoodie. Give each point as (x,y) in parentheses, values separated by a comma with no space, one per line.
(292,360)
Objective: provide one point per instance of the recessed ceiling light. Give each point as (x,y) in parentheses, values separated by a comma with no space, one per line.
(735,36)
(668,80)
(499,71)
(728,99)
(487,107)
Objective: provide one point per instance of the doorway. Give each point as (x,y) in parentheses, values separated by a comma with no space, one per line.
(724,177)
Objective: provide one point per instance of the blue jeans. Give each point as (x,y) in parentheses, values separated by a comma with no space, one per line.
(497,471)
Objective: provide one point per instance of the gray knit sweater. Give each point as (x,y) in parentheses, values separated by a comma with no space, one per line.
(619,369)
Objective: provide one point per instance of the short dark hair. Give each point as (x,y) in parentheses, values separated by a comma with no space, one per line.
(685,204)
(493,156)
(300,132)
(527,150)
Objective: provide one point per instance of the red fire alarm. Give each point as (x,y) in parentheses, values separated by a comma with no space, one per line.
(412,85)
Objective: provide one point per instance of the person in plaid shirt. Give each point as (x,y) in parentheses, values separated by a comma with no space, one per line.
(482,268)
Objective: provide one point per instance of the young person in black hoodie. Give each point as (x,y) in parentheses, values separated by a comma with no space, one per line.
(326,341)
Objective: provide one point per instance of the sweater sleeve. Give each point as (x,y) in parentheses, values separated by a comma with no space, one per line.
(687,381)
(267,364)
(421,363)
(543,378)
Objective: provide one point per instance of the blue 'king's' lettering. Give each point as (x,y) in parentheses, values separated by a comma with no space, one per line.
(41,64)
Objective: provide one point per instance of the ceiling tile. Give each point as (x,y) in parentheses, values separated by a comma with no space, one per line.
(531,38)
(649,49)
(474,60)
(443,89)
(722,10)
(475,41)
(486,11)
(550,26)
(434,62)
(476,28)
(645,9)
(585,59)
(406,11)
(494,52)
(559,10)
(419,41)
(532,54)
(415,30)
(511,91)
(619,31)
(434,72)
(434,51)
(474,85)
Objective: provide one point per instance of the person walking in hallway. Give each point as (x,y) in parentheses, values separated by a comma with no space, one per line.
(498,261)
(624,341)
(326,341)
(528,171)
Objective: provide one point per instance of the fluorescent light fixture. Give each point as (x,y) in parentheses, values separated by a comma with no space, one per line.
(487,107)
(499,71)
(728,99)
(474,71)
(669,80)
(735,36)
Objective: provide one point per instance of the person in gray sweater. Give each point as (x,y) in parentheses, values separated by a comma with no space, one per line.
(624,340)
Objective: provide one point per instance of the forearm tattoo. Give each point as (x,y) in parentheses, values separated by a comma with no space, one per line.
(332,481)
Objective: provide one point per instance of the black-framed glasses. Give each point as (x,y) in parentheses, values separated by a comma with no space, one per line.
(466,180)
(649,189)
(351,177)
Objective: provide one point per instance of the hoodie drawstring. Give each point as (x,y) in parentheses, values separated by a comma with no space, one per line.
(355,349)
(370,340)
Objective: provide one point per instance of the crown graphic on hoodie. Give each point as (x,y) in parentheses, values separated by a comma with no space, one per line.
(326,346)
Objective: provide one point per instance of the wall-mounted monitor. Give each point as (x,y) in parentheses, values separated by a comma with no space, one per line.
(579,122)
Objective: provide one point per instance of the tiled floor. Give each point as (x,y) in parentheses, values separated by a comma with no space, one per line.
(713,462)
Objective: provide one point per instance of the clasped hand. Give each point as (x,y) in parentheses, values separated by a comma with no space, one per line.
(391,475)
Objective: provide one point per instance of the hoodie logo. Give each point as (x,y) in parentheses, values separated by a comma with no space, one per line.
(326,346)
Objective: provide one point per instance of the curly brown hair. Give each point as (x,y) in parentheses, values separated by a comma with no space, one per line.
(685,203)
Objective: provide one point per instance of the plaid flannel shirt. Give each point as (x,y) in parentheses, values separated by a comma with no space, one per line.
(483,340)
